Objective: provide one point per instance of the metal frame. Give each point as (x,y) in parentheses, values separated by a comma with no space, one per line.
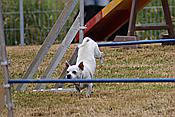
(72,59)
(50,39)
(77,26)
(60,52)
(4,64)
(82,27)
(21,23)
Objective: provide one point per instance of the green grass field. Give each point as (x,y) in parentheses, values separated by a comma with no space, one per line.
(108,100)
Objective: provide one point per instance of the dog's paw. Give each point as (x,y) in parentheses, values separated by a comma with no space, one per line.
(88,95)
(102,58)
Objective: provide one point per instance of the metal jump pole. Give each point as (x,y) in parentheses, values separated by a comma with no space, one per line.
(135,42)
(99,80)
(4,65)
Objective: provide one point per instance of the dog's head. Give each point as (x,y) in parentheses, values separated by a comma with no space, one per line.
(74,71)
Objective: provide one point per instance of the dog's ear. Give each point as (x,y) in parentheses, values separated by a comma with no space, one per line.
(81,66)
(67,64)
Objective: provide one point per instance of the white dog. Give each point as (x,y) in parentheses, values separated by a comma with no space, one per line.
(85,65)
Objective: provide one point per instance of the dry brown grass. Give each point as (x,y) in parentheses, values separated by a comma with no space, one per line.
(108,100)
(1,97)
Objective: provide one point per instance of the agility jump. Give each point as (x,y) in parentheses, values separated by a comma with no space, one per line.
(28,78)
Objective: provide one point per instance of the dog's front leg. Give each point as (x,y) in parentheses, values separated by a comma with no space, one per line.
(89,90)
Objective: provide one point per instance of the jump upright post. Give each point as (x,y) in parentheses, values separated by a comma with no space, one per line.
(4,64)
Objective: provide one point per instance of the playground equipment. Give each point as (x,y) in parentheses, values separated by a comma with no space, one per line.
(119,12)
(28,77)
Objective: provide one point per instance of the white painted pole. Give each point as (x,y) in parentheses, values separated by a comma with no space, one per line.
(81,34)
(4,65)
(21,23)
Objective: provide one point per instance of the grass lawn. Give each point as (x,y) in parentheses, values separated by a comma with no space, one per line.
(108,100)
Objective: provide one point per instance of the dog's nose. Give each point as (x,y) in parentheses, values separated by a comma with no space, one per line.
(68,76)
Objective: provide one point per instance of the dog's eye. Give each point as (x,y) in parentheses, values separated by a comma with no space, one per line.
(74,72)
(67,72)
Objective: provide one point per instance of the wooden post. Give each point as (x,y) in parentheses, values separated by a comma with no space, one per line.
(133,16)
(132,19)
(167,17)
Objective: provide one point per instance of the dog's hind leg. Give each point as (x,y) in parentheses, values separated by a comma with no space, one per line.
(99,54)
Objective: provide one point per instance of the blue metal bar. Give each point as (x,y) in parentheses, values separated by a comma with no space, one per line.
(100,80)
(135,42)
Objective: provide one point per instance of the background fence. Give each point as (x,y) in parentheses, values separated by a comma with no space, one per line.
(40,15)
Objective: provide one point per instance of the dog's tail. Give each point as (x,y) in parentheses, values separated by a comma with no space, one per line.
(85,41)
